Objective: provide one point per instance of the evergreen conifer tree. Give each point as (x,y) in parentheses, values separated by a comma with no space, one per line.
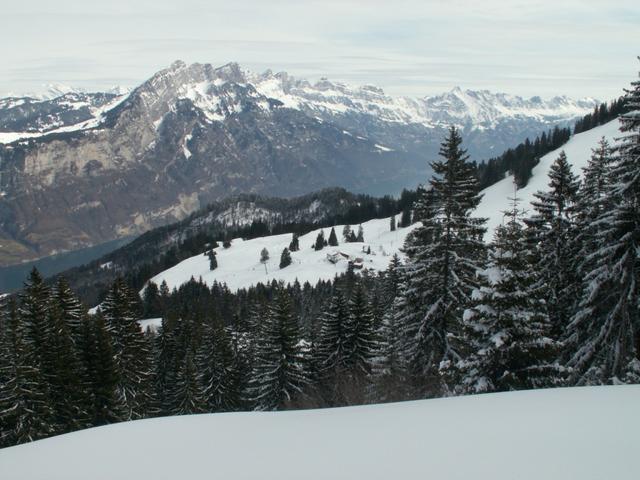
(294,246)
(506,336)
(346,233)
(333,239)
(405,218)
(443,255)
(278,377)
(101,375)
(333,342)
(213,261)
(25,410)
(320,241)
(285,258)
(131,351)
(361,340)
(552,227)
(604,334)
(217,375)
(187,398)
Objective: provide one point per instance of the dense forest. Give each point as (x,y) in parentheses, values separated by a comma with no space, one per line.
(552,301)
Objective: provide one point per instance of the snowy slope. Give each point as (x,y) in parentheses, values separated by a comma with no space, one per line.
(239,266)
(495,198)
(97,117)
(561,434)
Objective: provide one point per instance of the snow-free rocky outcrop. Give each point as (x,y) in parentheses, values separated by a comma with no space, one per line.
(81,169)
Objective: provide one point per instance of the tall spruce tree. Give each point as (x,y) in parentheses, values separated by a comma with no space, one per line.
(35,316)
(100,374)
(187,397)
(387,366)
(68,398)
(443,255)
(361,339)
(294,246)
(69,306)
(506,337)
(333,238)
(592,201)
(217,375)
(25,407)
(285,258)
(332,349)
(131,350)
(320,241)
(604,334)
(278,377)
(552,228)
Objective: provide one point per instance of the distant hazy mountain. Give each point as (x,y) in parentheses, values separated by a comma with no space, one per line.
(84,168)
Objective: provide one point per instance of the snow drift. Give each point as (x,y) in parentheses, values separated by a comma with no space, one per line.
(572,433)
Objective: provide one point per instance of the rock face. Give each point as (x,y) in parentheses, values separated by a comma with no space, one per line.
(82,169)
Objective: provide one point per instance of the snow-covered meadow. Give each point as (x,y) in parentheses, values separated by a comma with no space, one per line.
(558,434)
(239,266)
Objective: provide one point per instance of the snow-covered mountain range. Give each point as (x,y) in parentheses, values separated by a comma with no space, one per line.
(85,168)
(201,84)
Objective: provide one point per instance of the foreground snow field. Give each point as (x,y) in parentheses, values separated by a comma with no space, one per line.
(560,434)
(239,266)
(495,198)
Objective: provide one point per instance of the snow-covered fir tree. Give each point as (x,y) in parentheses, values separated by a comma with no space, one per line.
(100,373)
(278,377)
(604,334)
(25,407)
(332,347)
(506,337)
(70,307)
(592,201)
(388,368)
(333,238)
(216,370)
(552,227)
(187,397)
(131,350)
(443,255)
(285,258)
(294,246)
(361,337)
(320,241)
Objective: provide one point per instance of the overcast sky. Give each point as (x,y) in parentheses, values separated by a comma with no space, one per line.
(408,47)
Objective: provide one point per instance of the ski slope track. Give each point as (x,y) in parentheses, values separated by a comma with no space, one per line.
(560,434)
(239,266)
(496,198)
